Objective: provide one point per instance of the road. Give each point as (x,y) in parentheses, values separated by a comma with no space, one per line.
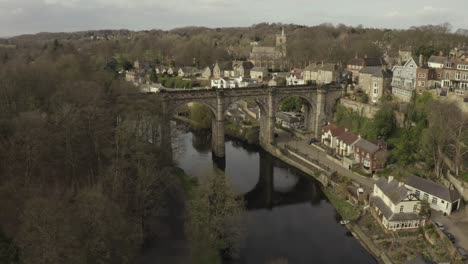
(284,138)
(457,224)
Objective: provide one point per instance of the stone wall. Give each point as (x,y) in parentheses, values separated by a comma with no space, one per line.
(366,110)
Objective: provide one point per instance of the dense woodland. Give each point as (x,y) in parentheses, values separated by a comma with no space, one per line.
(79,182)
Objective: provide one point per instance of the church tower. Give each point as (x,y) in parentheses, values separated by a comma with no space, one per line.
(281,44)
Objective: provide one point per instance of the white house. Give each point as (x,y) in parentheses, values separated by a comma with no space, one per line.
(296,77)
(439,197)
(404,80)
(437,61)
(330,133)
(222,83)
(345,143)
(395,206)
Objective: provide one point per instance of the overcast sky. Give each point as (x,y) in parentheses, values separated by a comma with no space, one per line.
(32,16)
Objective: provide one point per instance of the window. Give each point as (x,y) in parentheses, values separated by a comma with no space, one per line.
(434,200)
(376,91)
(442,201)
(465,77)
(417,193)
(401,208)
(439,75)
(376,85)
(458,76)
(426,197)
(423,83)
(415,208)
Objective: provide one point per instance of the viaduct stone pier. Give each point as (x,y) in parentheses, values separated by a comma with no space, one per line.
(319,105)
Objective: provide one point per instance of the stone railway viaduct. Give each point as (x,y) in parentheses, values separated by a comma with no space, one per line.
(319,101)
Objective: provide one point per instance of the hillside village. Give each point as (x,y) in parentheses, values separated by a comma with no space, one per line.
(393,160)
(369,84)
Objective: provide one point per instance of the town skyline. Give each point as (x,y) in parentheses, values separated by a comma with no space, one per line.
(30,16)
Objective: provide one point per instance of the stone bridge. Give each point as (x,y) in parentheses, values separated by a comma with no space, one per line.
(319,101)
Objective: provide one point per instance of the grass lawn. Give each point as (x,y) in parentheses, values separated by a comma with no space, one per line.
(345,209)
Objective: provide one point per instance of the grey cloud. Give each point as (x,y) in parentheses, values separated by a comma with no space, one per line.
(30,16)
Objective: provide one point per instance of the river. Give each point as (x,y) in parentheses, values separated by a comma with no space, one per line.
(288,216)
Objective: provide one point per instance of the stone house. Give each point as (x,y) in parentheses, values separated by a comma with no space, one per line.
(356,64)
(439,197)
(322,73)
(216,72)
(345,143)
(375,82)
(371,156)
(394,205)
(258,73)
(206,73)
(330,133)
(404,80)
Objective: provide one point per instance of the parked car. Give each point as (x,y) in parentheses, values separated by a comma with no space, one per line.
(451,237)
(463,253)
(440,225)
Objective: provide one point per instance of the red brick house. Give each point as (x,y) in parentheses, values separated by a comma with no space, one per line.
(372,157)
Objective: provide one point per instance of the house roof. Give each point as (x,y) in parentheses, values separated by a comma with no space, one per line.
(258,69)
(389,215)
(334,130)
(433,188)
(288,118)
(348,137)
(376,71)
(393,190)
(438,59)
(367,146)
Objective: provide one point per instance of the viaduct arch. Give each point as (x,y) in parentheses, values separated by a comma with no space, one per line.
(321,102)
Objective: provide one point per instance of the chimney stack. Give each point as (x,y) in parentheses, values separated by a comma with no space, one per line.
(421,60)
(401,184)
(390,178)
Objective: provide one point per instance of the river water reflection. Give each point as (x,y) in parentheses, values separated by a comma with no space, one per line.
(288,215)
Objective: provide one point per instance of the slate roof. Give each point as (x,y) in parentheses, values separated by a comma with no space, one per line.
(389,215)
(258,69)
(392,190)
(376,71)
(433,188)
(438,59)
(367,146)
(287,118)
(335,131)
(348,137)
